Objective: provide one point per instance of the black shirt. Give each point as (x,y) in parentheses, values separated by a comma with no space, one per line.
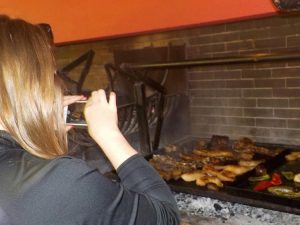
(66,191)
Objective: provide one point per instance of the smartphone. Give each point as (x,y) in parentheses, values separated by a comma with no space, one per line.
(74,115)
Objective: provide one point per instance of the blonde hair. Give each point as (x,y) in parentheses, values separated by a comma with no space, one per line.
(31,99)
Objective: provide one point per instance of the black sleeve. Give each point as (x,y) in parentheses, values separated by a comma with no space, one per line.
(140,198)
(67,191)
(138,176)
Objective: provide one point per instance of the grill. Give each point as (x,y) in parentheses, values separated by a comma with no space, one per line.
(162,109)
(239,191)
(144,113)
(152,117)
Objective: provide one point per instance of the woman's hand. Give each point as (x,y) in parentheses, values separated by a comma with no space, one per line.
(102,120)
(101,115)
(70,99)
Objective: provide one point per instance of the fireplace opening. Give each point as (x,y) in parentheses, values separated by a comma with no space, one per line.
(170,104)
(213,115)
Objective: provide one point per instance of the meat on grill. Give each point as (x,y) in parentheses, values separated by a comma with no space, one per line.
(247,145)
(210,166)
(219,142)
(171,168)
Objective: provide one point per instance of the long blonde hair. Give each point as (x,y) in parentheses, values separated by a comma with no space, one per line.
(31,99)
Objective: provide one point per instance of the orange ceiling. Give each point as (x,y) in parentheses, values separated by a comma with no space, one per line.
(78,20)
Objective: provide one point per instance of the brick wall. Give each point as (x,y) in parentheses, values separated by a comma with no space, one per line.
(261,100)
(258,100)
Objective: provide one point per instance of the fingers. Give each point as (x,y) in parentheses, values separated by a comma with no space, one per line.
(112,100)
(72,98)
(69,127)
(100,96)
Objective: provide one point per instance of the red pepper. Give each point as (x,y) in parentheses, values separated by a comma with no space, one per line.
(276,179)
(262,185)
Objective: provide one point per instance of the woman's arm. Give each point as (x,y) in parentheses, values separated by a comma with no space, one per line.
(101,117)
(135,173)
(155,196)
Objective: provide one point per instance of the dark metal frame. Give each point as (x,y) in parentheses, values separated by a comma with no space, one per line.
(257,58)
(88,59)
(287,5)
(140,80)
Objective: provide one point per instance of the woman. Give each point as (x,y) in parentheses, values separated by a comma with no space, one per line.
(39,183)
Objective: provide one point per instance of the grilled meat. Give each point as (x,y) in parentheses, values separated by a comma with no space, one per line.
(214,153)
(244,155)
(219,142)
(203,181)
(193,176)
(198,160)
(293,156)
(171,168)
(247,145)
(224,155)
(236,169)
(210,167)
(250,163)
(214,172)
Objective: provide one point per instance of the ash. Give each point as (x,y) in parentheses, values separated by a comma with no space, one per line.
(198,208)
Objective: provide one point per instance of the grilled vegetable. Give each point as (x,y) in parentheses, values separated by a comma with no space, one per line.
(284,191)
(297,178)
(260,178)
(289,175)
(276,179)
(212,187)
(263,185)
(260,170)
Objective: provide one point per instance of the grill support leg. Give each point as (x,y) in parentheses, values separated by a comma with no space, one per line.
(160,116)
(145,143)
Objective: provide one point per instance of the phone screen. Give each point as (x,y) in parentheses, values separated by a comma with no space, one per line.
(74,114)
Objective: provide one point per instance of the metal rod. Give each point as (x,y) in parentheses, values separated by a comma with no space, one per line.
(137,76)
(85,70)
(160,118)
(134,75)
(145,143)
(88,59)
(218,61)
(110,77)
